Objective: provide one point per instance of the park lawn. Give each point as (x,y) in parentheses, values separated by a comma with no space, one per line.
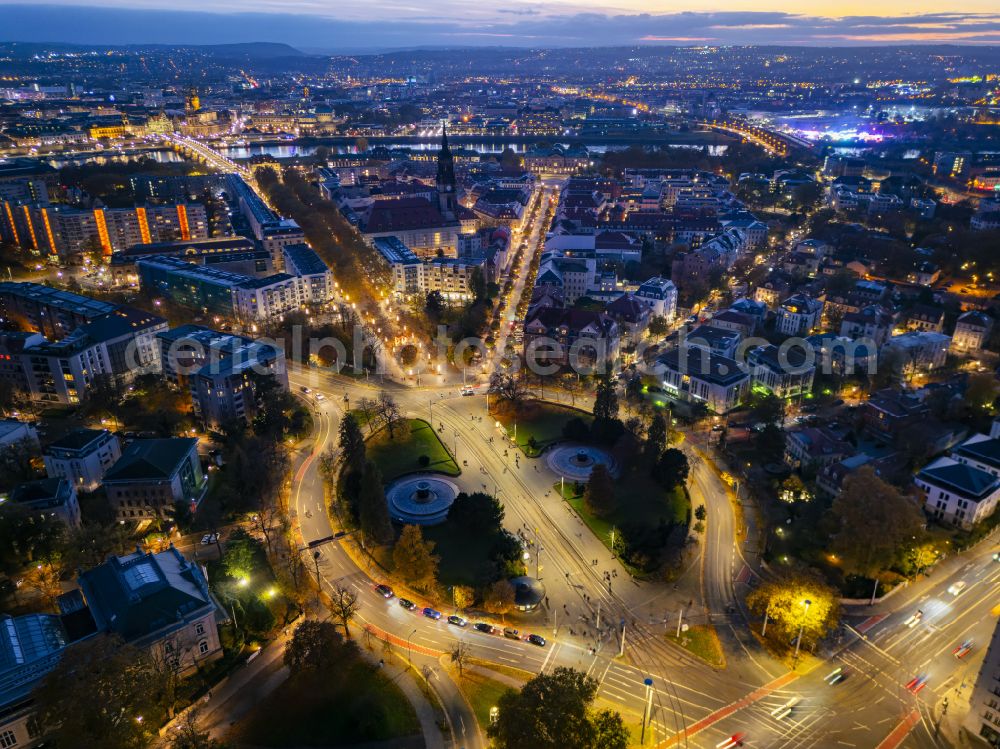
(399,456)
(482,692)
(541,420)
(360,706)
(702,641)
(632,496)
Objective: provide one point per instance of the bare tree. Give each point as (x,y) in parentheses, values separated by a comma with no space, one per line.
(344,604)
(509,388)
(367,406)
(264,520)
(460,655)
(328,464)
(388,411)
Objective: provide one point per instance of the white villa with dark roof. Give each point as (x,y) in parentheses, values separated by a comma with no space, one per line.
(156,602)
(958,493)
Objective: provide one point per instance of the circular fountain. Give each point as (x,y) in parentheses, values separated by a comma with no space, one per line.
(420,500)
(575,462)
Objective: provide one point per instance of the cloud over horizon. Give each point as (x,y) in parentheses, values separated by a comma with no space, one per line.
(395,25)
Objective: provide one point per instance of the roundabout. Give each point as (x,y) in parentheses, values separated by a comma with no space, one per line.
(420,500)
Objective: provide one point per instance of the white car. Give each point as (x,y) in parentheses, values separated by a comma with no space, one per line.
(958,587)
(914,619)
(320,397)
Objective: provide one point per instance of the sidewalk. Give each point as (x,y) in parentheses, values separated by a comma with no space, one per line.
(406,680)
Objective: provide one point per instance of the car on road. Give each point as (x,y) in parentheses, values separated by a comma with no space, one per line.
(305,390)
(320,397)
(384,590)
(457,620)
(488,629)
(209,538)
(511,634)
(736,739)
(996,556)
(468,391)
(963,650)
(537,640)
(784,710)
(432,613)
(917,683)
(914,619)
(956,588)
(836,676)
(407,604)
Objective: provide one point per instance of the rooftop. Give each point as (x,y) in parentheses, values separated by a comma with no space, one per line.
(152,459)
(965,481)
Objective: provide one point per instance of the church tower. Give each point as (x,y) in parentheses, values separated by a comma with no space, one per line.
(446,179)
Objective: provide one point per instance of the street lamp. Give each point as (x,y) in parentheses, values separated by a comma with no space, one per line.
(798,640)
(409,651)
(646,709)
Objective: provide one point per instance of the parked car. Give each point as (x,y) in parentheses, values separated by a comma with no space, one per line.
(485,628)
(511,634)
(407,604)
(537,640)
(209,538)
(432,613)
(457,620)
(385,591)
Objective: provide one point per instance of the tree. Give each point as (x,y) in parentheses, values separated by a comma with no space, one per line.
(352,441)
(414,559)
(188,736)
(367,407)
(26,538)
(553,711)
(605,400)
(672,468)
(408,355)
(980,390)
(498,598)
(388,412)
(509,389)
(783,599)
(600,496)
(104,693)
(770,444)
(459,655)
(479,513)
(767,409)
(17,463)
(610,730)
(794,490)
(316,647)
(656,439)
(434,305)
(345,605)
(240,556)
(658,326)
(875,522)
(373,511)
(463,595)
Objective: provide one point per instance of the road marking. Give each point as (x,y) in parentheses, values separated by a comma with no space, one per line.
(901,731)
(744,576)
(870,622)
(724,712)
(548,657)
